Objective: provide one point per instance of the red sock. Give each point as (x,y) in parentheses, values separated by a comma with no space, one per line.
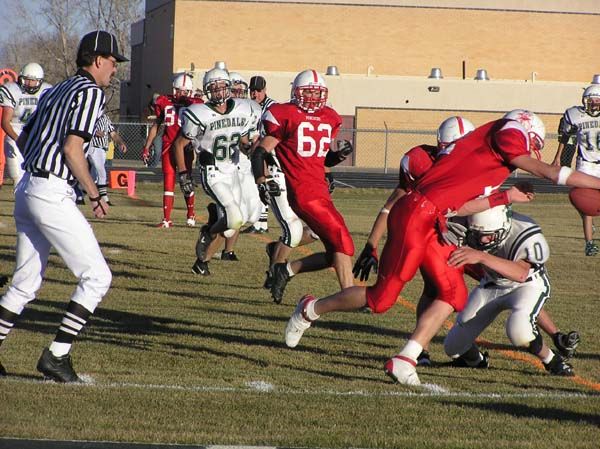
(189,201)
(168,201)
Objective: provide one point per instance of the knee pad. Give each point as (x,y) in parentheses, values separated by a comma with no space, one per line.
(235,220)
(521,332)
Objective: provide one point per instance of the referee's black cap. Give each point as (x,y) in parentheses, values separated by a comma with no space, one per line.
(257,83)
(101,42)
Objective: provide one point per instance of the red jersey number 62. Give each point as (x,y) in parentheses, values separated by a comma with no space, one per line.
(310,139)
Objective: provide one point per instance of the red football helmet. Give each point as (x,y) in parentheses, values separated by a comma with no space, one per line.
(309,92)
(533,125)
(182,86)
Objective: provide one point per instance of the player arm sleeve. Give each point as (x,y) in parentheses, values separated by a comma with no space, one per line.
(89,106)
(510,142)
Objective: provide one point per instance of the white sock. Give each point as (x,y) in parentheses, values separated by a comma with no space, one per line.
(412,349)
(289,269)
(549,358)
(59,349)
(310,311)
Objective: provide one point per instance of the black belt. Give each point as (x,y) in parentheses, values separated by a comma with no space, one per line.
(46,175)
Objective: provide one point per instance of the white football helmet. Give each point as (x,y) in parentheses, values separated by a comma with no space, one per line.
(183,86)
(591,100)
(309,91)
(488,229)
(31,77)
(452,129)
(534,127)
(239,86)
(217,86)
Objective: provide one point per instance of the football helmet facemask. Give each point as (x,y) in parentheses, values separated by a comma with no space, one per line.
(309,91)
(488,229)
(452,129)
(217,86)
(31,77)
(183,86)
(239,86)
(591,100)
(533,125)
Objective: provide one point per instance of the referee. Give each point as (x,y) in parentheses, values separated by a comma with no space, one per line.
(96,154)
(258,92)
(54,142)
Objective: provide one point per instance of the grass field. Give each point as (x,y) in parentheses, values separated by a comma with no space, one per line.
(174,358)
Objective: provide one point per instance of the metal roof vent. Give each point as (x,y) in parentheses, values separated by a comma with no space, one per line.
(220,65)
(436,73)
(596,79)
(482,75)
(332,70)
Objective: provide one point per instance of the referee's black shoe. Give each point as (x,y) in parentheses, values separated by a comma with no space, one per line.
(59,369)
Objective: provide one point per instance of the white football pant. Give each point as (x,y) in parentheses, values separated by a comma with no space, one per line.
(225,189)
(46,216)
(251,205)
(14,160)
(524,301)
(291,225)
(97,158)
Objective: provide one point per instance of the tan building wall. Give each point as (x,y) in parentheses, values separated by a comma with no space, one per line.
(393,40)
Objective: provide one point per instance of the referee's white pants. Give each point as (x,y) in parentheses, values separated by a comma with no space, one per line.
(14,160)
(97,158)
(46,216)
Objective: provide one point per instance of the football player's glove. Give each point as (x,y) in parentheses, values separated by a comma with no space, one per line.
(454,234)
(267,190)
(345,148)
(566,343)
(186,183)
(330,181)
(146,156)
(366,261)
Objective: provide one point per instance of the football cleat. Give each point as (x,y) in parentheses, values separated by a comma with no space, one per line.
(298,322)
(3,280)
(191,221)
(253,230)
(59,369)
(483,363)
(558,366)
(591,249)
(165,224)
(200,267)
(402,370)
(424,359)
(279,280)
(229,255)
(2,370)
(566,343)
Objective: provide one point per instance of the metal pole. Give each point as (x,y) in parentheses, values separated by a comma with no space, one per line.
(385,154)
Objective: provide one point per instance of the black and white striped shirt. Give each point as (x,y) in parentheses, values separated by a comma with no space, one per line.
(266,103)
(71,107)
(105,126)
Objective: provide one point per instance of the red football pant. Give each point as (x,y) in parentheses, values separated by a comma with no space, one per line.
(323,218)
(413,242)
(169,165)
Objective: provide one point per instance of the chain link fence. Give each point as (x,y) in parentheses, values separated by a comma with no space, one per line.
(375,149)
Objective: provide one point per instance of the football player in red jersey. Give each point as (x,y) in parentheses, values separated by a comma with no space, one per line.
(167,109)
(475,165)
(300,133)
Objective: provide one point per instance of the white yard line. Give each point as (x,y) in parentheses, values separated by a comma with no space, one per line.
(425,390)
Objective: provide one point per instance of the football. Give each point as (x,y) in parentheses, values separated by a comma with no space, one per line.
(586,201)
